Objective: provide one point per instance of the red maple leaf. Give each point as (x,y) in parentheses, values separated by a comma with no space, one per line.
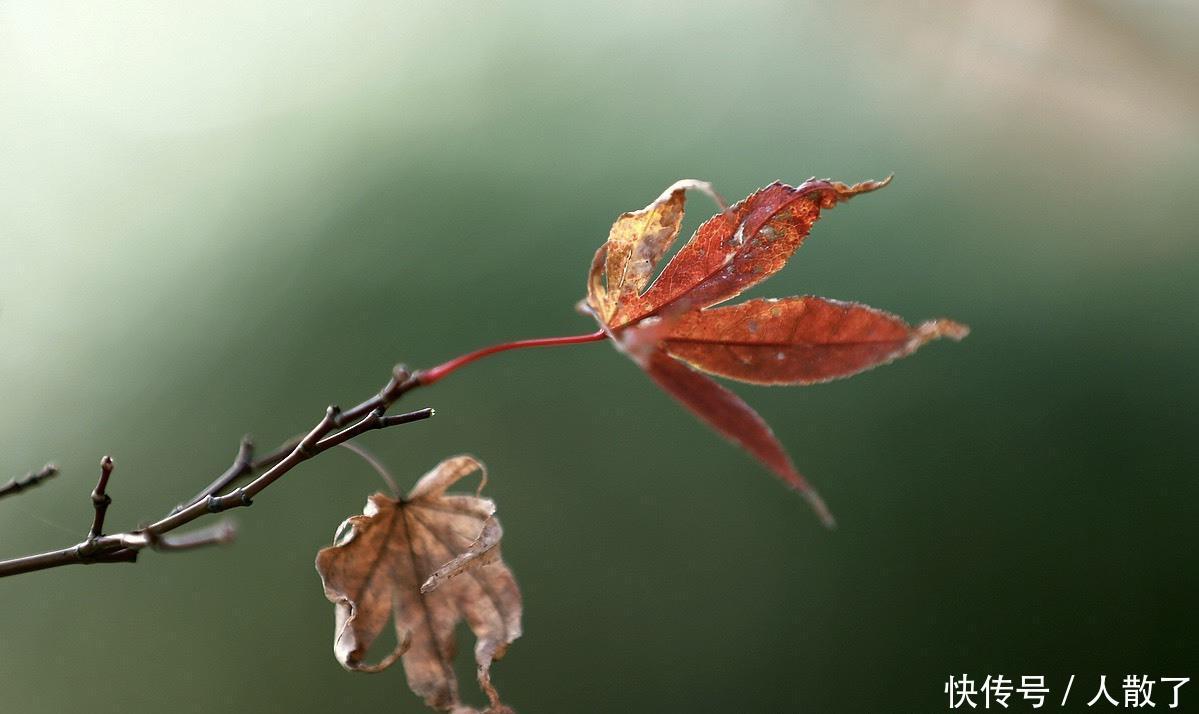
(672,329)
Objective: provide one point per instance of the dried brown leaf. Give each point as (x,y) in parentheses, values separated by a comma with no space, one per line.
(428,561)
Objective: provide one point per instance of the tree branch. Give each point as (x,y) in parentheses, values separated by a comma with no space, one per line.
(243,464)
(330,431)
(401,381)
(29,480)
(335,428)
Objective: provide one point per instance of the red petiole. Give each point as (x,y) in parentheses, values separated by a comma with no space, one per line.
(434,374)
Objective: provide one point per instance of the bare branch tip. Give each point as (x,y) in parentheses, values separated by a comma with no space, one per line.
(226,533)
(407,417)
(220,534)
(18,484)
(100,497)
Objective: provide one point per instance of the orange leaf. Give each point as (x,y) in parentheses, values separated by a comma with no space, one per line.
(639,239)
(736,250)
(799,340)
(729,415)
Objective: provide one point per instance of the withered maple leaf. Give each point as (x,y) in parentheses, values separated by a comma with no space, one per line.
(672,326)
(429,560)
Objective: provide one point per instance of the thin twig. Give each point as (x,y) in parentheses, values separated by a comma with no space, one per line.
(401,381)
(124,547)
(100,499)
(29,480)
(243,464)
(219,534)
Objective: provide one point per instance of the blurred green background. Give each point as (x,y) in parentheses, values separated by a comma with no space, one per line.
(217,219)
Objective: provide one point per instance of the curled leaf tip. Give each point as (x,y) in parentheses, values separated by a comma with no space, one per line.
(935,329)
(355,664)
(955,331)
(846,192)
(819,507)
